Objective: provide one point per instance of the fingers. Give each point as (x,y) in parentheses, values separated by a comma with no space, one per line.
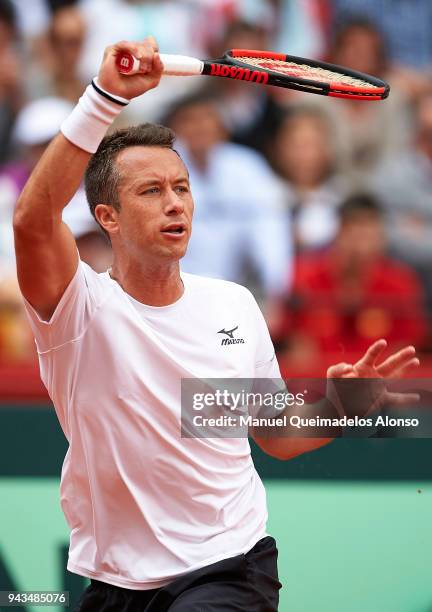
(372,354)
(397,361)
(147,52)
(402,370)
(157,63)
(136,48)
(401,399)
(152,42)
(137,81)
(145,55)
(395,366)
(338,370)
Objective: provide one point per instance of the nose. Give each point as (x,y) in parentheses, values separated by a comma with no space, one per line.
(174,204)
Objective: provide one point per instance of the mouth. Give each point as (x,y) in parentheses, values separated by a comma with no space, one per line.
(174,229)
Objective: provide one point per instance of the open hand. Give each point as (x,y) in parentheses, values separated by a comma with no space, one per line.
(370,367)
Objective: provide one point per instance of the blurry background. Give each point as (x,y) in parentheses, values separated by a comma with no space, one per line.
(322,207)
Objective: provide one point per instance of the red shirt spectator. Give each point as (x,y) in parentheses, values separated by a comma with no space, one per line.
(351,295)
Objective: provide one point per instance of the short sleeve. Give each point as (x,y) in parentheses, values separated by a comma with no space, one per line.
(266,365)
(73,313)
(267,376)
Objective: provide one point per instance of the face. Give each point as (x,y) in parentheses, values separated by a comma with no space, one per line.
(424,125)
(200,127)
(6,35)
(241,39)
(67,36)
(362,239)
(156,206)
(303,152)
(361,49)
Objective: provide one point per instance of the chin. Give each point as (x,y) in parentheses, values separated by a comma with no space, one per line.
(180,250)
(174,254)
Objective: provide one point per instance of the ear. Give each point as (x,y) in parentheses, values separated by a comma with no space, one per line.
(107,216)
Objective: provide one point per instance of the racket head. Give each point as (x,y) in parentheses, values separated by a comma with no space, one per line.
(304,74)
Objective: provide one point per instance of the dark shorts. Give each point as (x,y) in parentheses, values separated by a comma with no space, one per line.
(245,583)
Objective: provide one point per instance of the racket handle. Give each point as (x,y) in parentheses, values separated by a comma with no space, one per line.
(176,65)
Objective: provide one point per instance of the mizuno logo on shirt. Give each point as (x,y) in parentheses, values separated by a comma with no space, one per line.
(230,336)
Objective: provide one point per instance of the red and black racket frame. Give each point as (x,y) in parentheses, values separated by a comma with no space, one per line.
(231,67)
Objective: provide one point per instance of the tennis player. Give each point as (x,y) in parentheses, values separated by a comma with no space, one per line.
(158,522)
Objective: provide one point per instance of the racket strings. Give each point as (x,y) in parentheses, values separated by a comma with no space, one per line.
(304,71)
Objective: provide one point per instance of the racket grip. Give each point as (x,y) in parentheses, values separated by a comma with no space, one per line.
(175,65)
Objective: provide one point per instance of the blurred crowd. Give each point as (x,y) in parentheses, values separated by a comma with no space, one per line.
(322,207)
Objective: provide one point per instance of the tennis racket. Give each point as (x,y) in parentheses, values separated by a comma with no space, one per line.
(268,68)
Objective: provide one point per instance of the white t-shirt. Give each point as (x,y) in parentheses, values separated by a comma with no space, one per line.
(144,504)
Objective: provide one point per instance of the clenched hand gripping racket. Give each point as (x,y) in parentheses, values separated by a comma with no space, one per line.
(268,68)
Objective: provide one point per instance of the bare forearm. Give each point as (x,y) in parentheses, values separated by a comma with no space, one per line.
(288,448)
(51,185)
(355,390)
(285,441)
(45,248)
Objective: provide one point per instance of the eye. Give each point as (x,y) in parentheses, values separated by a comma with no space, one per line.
(182,188)
(151,191)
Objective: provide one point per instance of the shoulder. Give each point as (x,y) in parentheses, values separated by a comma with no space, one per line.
(233,149)
(98,284)
(216,288)
(397,276)
(249,176)
(231,301)
(309,266)
(240,158)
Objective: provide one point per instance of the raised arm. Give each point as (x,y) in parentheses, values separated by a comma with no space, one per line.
(45,249)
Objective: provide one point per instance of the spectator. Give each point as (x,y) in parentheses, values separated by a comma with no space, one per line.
(37,123)
(58,55)
(351,296)
(405,23)
(177,26)
(302,27)
(366,132)
(250,113)
(11,74)
(32,23)
(185,28)
(239,216)
(222,15)
(404,183)
(304,154)
(16,339)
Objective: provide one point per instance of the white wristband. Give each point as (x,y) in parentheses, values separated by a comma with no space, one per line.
(90,119)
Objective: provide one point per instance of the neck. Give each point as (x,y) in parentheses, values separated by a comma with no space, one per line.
(151,284)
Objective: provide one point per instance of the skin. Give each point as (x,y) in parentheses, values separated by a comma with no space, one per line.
(424,125)
(45,248)
(154,192)
(200,127)
(303,153)
(360,49)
